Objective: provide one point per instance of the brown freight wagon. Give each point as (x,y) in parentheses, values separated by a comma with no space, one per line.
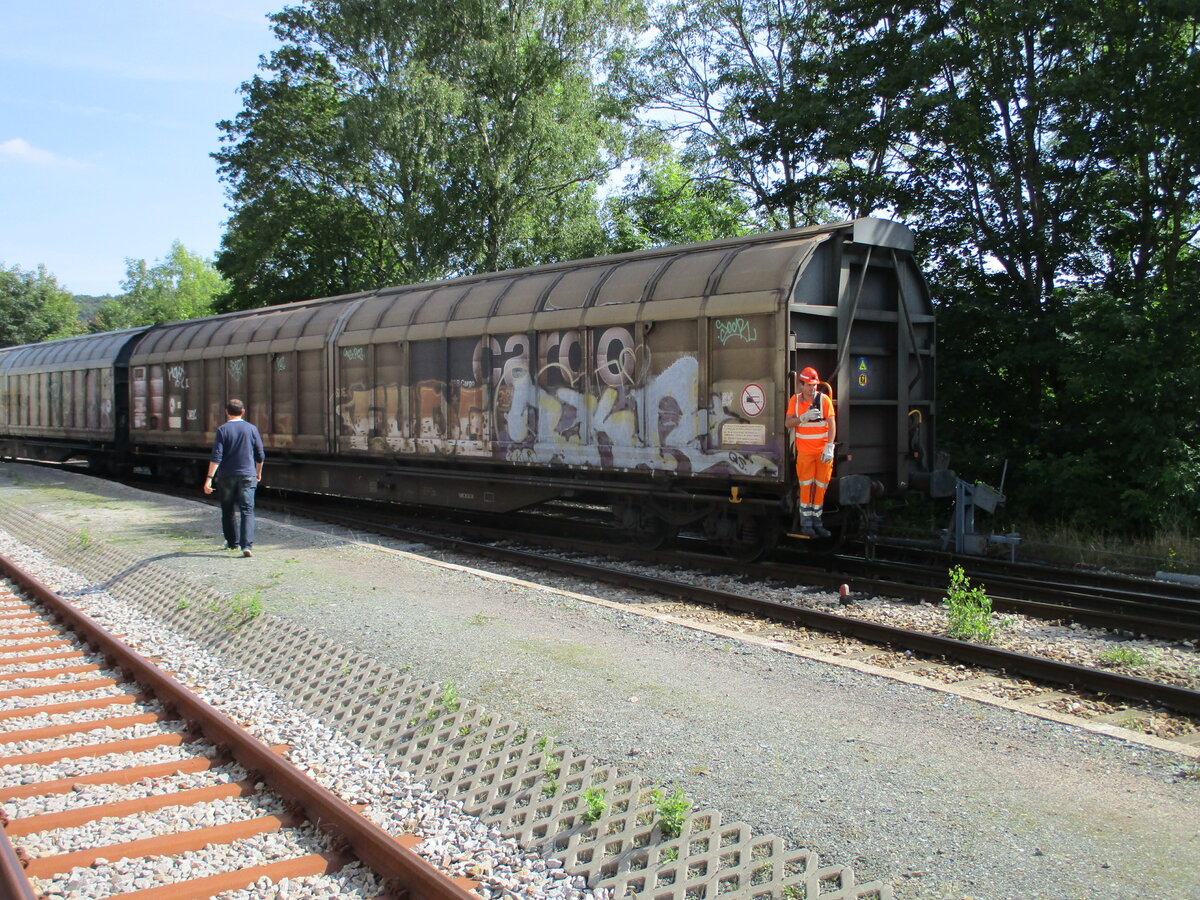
(653,381)
(67,399)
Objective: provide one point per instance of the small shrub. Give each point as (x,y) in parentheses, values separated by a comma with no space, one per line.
(673,811)
(596,804)
(968,609)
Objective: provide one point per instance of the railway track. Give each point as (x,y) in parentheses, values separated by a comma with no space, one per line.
(157,779)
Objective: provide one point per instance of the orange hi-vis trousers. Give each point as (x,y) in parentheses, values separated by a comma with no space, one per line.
(813,477)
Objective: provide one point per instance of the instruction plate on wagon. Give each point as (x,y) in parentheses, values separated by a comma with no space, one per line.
(741,433)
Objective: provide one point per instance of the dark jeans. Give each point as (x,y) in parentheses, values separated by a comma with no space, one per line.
(237,494)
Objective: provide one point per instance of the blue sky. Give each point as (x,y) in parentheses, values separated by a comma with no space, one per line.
(108,114)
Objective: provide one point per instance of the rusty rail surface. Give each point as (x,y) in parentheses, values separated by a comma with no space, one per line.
(404,872)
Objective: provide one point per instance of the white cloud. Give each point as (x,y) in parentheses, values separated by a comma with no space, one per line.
(20,150)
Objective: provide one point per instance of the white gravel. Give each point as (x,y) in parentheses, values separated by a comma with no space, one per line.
(84,795)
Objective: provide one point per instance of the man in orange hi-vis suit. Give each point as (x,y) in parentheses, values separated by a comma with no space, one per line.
(810,413)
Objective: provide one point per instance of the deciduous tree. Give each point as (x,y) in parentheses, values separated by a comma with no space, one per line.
(181,286)
(34,308)
(397,141)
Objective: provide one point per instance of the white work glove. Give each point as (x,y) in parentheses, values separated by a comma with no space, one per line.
(827,455)
(811,415)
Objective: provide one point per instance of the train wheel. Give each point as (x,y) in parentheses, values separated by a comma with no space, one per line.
(643,527)
(746,538)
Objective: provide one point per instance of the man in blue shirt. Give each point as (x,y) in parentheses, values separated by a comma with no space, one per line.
(237,457)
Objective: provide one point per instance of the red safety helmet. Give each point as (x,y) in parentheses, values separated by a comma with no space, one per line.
(809,376)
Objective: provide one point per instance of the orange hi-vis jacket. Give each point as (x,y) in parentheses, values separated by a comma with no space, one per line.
(812,434)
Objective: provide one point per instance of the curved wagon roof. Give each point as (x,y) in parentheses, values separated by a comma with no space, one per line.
(85,351)
(735,276)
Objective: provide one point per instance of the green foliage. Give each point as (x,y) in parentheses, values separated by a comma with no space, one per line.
(450,699)
(666,204)
(241,608)
(396,141)
(182,286)
(968,609)
(596,804)
(1127,657)
(672,809)
(720,73)
(34,308)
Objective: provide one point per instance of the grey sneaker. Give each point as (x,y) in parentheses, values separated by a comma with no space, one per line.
(246,551)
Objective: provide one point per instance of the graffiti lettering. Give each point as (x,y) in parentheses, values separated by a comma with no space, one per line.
(236,367)
(178,376)
(560,357)
(354,353)
(735,328)
(515,352)
(281,363)
(615,356)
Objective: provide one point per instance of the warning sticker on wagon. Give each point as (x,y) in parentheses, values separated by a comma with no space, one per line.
(741,433)
(753,400)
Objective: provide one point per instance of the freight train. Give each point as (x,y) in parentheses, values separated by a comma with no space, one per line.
(654,383)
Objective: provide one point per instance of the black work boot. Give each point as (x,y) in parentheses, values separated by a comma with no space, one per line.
(819,529)
(806,526)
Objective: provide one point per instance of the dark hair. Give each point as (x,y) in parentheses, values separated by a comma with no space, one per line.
(235,407)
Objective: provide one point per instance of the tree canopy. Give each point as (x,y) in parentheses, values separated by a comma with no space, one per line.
(181,286)
(34,308)
(396,141)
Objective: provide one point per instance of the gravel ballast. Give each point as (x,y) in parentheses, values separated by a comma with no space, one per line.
(942,796)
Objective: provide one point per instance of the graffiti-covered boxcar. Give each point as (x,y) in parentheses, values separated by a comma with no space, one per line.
(655,382)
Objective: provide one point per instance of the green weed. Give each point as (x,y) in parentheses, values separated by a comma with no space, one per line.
(238,609)
(550,764)
(84,537)
(596,804)
(479,619)
(672,810)
(450,698)
(1122,656)
(968,609)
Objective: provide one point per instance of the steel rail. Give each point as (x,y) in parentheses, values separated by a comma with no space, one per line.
(403,869)
(1167,600)
(1100,612)
(13,883)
